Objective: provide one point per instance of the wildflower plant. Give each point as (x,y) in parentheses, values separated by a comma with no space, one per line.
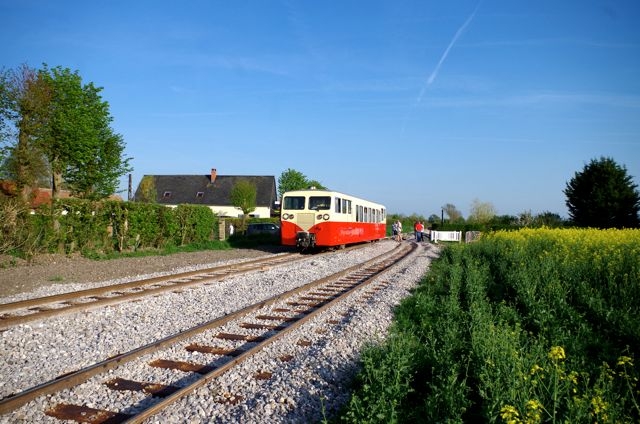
(530,326)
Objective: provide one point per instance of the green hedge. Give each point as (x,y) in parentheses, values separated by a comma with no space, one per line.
(74,225)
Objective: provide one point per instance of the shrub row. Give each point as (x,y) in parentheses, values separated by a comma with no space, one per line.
(74,225)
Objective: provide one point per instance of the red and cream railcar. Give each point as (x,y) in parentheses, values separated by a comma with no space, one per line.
(321,218)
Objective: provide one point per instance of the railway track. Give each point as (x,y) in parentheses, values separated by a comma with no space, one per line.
(24,311)
(225,342)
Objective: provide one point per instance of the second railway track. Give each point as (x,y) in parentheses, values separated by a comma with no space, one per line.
(236,339)
(19,312)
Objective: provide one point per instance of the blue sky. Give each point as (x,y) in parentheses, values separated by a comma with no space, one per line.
(414,104)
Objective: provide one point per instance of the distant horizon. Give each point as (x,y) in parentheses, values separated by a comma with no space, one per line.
(134,188)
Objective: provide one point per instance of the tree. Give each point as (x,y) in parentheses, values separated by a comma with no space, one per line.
(549,219)
(316,184)
(525,219)
(291,180)
(505,220)
(147,190)
(481,212)
(295,180)
(603,195)
(24,101)
(452,212)
(243,196)
(79,144)
(433,218)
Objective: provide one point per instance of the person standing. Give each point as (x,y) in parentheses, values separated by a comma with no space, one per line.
(399,230)
(419,228)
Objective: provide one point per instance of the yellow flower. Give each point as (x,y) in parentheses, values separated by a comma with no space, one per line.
(556,354)
(573,377)
(534,412)
(625,360)
(599,405)
(510,414)
(534,405)
(536,369)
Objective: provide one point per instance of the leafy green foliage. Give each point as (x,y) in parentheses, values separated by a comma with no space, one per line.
(481,212)
(148,225)
(243,196)
(603,195)
(147,190)
(17,235)
(101,228)
(317,184)
(452,213)
(521,326)
(24,99)
(79,143)
(195,224)
(291,180)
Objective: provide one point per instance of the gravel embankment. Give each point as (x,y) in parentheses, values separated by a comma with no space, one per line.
(315,380)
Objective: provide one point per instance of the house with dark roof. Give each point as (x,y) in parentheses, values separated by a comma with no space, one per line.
(212,190)
(40,196)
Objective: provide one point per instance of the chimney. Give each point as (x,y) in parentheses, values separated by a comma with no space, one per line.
(214,174)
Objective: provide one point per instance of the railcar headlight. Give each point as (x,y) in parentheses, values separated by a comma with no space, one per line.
(325,216)
(319,217)
(285,216)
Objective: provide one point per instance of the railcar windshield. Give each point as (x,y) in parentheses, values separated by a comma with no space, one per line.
(294,202)
(319,203)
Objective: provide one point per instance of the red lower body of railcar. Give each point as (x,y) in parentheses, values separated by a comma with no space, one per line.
(329,234)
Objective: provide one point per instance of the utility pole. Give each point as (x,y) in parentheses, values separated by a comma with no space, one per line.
(130,192)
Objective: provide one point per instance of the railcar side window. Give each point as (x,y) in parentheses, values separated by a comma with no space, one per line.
(294,203)
(338,205)
(319,203)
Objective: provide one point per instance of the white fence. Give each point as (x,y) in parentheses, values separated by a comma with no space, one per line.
(446,236)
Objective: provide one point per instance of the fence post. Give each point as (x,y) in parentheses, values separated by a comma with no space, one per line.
(221,229)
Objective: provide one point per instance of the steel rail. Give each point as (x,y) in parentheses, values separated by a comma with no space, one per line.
(172,398)
(38,301)
(170,282)
(12,402)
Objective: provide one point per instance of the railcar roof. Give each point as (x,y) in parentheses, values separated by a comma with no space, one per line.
(321,192)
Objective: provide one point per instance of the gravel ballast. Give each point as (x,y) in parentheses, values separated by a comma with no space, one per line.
(313,383)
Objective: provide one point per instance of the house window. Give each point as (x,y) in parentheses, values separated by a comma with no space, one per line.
(199,194)
(166,194)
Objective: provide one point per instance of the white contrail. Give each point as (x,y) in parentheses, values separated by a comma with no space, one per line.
(457,35)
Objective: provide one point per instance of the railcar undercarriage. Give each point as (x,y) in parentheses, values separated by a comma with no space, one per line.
(305,240)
